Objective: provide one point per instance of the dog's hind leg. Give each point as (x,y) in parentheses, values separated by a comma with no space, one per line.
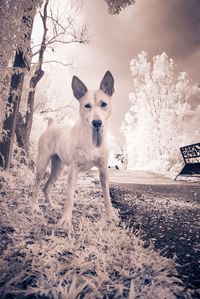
(41,165)
(56,169)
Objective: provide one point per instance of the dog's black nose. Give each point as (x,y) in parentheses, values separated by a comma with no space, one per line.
(96,123)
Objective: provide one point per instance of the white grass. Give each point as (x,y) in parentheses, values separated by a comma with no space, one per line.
(96,259)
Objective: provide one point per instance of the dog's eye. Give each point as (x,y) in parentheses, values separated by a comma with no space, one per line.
(103,104)
(88,106)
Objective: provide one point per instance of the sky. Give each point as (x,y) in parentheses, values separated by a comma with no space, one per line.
(153,26)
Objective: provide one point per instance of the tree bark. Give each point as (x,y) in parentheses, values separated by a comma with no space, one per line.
(20,130)
(23,128)
(9,125)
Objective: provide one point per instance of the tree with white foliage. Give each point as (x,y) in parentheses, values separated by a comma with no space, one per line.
(153,128)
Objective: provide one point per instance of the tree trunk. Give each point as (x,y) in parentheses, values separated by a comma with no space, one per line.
(9,125)
(23,128)
(20,130)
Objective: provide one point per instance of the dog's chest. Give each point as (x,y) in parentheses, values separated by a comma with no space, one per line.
(85,159)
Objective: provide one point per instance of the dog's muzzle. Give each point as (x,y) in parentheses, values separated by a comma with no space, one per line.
(97,132)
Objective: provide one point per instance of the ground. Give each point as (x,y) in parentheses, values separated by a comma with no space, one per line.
(166,213)
(153,252)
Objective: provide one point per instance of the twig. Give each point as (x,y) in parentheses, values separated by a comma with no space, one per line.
(55,61)
(49,110)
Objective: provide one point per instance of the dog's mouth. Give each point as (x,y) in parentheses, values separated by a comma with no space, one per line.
(96,136)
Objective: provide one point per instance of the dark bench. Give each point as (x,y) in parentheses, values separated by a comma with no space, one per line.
(191,157)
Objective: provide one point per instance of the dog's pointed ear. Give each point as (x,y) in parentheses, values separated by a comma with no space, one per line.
(79,89)
(107,84)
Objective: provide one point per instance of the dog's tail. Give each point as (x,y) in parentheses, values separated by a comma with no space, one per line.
(50,121)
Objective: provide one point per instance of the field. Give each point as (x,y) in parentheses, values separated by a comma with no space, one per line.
(97,258)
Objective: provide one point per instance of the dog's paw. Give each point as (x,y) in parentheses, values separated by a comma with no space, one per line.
(114,215)
(36,209)
(53,206)
(65,222)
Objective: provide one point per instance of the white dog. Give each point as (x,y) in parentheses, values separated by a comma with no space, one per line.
(80,147)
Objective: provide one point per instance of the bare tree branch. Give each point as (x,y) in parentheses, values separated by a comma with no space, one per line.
(50,110)
(56,61)
(65,33)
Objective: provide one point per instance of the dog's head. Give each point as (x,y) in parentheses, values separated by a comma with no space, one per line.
(95,106)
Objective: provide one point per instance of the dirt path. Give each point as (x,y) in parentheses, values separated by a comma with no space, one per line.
(138,177)
(166,213)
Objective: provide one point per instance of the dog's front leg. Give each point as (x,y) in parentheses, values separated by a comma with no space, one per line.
(104,178)
(67,214)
